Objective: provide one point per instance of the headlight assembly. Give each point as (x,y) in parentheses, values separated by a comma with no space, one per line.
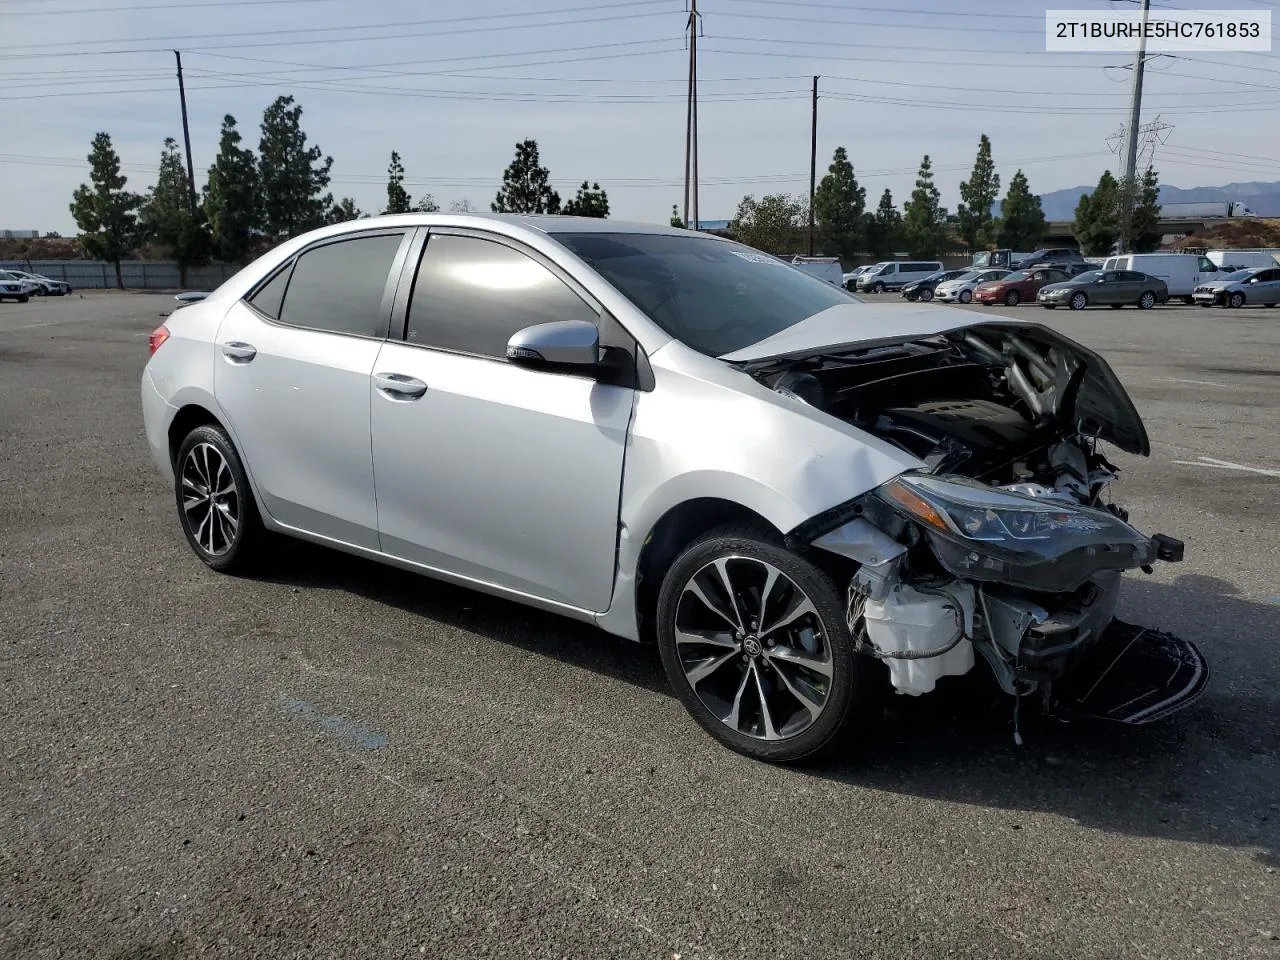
(985,533)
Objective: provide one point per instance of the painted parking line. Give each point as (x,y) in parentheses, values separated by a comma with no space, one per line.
(1227,465)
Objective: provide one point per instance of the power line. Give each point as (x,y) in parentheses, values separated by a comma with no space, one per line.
(831,22)
(346,30)
(966,14)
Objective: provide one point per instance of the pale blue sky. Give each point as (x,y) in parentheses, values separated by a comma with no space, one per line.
(601,88)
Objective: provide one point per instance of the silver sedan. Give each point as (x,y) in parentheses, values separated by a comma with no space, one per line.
(802,499)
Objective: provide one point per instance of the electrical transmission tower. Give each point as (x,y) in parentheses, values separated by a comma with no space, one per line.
(1150,135)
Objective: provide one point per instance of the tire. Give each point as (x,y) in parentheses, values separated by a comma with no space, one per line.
(1079,301)
(965,296)
(1236,300)
(877,288)
(225,532)
(1147,301)
(1012,299)
(926,295)
(731,682)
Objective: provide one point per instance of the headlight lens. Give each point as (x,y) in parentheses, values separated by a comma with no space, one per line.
(985,533)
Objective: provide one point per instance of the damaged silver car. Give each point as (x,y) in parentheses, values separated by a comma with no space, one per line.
(801,498)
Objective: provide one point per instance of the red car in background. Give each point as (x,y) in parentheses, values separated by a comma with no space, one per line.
(1018,286)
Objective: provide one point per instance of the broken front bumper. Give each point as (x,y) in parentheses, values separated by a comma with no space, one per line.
(1135,676)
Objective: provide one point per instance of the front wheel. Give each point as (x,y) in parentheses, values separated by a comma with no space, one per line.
(965,296)
(926,295)
(1011,299)
(1147,301)
(1236,300)
(215,505)
(1079,301)
(754,640)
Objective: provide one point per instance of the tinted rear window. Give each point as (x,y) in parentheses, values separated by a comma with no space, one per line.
(339,287)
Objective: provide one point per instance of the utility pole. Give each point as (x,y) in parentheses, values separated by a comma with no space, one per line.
(688,138)
(1130,178)
(186,136)
(813,162)
(693,93)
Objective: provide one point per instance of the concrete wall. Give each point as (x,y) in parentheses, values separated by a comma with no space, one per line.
(138,274)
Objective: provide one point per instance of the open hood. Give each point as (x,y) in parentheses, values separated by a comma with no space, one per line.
(1100,405)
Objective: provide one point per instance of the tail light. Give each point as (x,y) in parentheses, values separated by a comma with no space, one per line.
(158,336)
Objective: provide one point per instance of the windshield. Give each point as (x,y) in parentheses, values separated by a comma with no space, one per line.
(1239,275)
(969,275)
(713,295)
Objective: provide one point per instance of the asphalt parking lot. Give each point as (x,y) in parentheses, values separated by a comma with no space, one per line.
(342,760)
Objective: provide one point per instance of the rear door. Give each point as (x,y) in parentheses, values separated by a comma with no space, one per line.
(1264,287)
(292,377)
(487,470)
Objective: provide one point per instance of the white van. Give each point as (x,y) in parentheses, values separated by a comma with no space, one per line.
(824,268)
(895,274)
(1243,259)
(1181,272)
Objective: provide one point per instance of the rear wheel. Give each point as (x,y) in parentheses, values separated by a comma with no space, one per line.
(1236,299)
(1079,301)
(1147,301)
(1011,299)
(877,288)
(754,640)
(215,505)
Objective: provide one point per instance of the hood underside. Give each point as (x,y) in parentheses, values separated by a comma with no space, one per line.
(1053,374)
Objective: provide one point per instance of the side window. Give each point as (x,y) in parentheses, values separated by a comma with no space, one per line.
(472,295)
(269,297)
(889,270)
(1132,276)
(338,287)
(1111,276)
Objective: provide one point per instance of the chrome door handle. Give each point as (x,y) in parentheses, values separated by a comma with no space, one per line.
(398,386)
(238,351)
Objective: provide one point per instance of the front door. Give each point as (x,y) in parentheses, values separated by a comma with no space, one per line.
(292,376)
(487,470)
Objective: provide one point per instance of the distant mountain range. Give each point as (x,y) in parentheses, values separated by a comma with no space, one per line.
(1262,198)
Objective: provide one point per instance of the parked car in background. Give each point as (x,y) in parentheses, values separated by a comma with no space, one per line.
(680,440)
(1241,259)
(44,286)
(1181,272)
(1253,286)
(1073,269)
(896,274)
(923,289)
(851,278)
(1018,286)
(14,287)
(1110,288)
(960,290)
(1049,255)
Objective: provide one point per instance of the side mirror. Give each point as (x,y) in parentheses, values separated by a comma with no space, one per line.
(561,343)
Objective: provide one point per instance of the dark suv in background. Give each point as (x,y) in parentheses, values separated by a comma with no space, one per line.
(1049,257)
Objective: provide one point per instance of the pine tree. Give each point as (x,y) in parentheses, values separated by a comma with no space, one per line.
(167,216)
(840,206)
(397,196)
(294,176)
(591,201)
(676,219)
(1096,226)
(427,204)
(924,222)
(884,228)
(525,184)
(1022,223)
(344,210)
(1144,225)
(105,212)
(974,221)
(232,199)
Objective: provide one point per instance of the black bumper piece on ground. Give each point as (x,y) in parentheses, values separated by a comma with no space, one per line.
(1135,676)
